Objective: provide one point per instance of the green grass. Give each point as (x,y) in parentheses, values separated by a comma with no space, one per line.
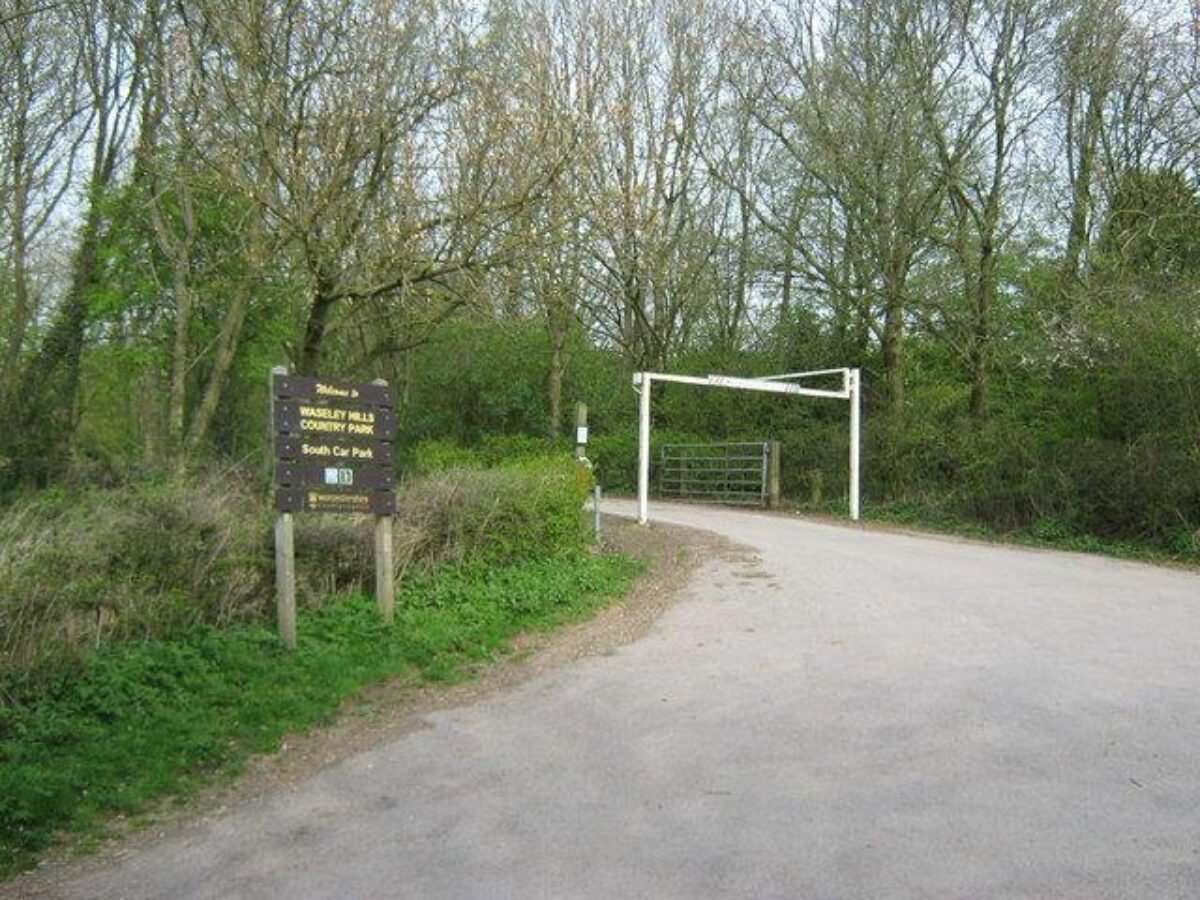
(140,720)
(1046,533)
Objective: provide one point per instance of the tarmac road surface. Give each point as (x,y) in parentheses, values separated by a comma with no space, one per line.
(844,713)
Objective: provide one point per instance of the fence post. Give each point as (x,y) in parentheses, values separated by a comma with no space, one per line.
(773,475)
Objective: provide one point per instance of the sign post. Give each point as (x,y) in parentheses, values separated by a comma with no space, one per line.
(285,554)
(581,430)
(285,579)
(385,580)
(332,444)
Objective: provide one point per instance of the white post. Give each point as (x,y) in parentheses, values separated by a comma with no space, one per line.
(855,424)
(644,449)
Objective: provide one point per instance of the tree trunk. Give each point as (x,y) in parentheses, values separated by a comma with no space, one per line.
(980,341)
(555,383)
(557,323)
(44,402)
(21,311)
(21,308)
(314,331)
(177,397)
(227,344)
(893,336)
(1081,189)
(981,336)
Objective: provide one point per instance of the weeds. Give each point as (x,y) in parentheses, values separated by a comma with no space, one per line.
(152,560)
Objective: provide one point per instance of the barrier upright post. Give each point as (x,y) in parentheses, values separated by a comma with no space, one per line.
(643,379)
(855,426)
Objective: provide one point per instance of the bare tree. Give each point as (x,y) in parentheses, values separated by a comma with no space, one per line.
(982,135)
(345,111)
(561,74)
(1089,43)
(650,222)
(845,100)
(111,36)
(41,111)
(201,223)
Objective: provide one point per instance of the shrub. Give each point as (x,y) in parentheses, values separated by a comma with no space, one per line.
(522,510)
(501,449)
(78,570)
(432,456)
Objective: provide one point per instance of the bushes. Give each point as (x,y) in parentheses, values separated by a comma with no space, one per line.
(433,456)
(1053,487)
(151,560)
(1147,489)
(134,651)
(519,511)
(78,569)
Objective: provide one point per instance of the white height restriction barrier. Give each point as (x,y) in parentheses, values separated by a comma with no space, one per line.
(772,384)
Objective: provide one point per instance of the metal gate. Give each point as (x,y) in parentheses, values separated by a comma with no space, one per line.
(718,473)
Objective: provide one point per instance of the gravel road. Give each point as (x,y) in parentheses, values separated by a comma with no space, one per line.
(836,713)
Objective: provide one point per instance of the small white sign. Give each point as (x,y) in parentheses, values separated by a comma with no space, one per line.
(581,434)
(331,476)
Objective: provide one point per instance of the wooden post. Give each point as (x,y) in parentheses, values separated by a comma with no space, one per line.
(285,579)
(816,483)
(385,574)
(581,434)
(773,471)
(285,548)
(385,580)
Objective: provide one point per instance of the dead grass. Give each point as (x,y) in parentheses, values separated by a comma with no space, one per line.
(79,568)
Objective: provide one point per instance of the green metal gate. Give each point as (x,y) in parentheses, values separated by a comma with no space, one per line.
(718,473)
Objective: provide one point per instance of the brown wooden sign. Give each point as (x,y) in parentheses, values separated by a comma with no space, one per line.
(333,445)
(333,453)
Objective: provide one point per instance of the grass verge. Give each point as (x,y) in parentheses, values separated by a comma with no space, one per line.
(139,720)
(1048,534)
